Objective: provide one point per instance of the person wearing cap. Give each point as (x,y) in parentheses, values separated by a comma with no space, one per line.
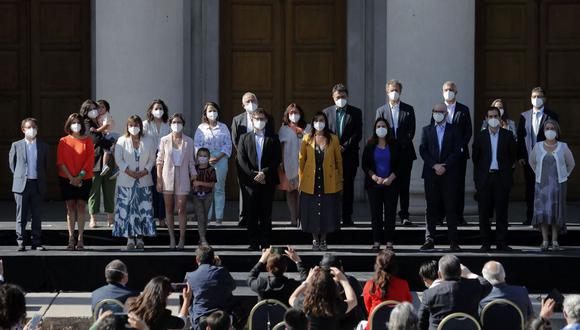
(117,276)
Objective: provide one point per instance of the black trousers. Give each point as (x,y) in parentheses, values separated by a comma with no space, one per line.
(440,193)
(28,203)
(383,204)
(461,170)
(530,179)
(403,183)
(258,206)
(349,168)
(241,207)
(493,195)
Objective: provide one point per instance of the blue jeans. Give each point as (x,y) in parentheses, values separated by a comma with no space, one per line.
(219,191)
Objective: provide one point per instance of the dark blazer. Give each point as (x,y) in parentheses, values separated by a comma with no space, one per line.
(462,123)
(516,294)
(405,128)
(112,291)
(274,287)
(352,131)
(449,297)
(429,150)
(369,165)
(18,165)
(248,159)
(526,132)
(240,126)
(506,156)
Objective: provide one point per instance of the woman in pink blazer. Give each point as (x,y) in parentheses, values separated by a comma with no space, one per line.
(176,171)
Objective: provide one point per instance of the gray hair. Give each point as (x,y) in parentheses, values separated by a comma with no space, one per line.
(571,307)
(449,82)
(403,317)
(394,82)
(450,267)
(493,272)
(249,94)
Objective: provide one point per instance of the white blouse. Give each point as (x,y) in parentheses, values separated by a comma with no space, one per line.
(291,142)
(151,130)
(216,139)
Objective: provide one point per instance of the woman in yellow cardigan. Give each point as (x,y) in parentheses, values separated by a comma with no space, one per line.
(320,174)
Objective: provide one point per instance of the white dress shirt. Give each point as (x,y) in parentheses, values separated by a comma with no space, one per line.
(450,111)
(440,134)
(249,123)
(259,138)
(31,159)
(395,116)
(494,137)
(536,119)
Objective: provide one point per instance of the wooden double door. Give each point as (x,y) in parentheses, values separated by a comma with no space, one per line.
(282,50)
(521,44)
(45,72)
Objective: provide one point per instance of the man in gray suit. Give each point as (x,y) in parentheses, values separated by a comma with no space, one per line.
(28,159)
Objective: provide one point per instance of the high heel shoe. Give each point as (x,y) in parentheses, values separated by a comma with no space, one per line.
(71,243)
(80,245)
(171,243)
(180,245)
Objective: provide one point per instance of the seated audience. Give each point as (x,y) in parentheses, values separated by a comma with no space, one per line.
(403,317)
(117,276)
(218,320)
(429,273)
(571,309)
(494,273)
(13,308)
(295,319)
(151,305)
(108,321)
(275,285)
(321,301)
(455,293)
(211,285)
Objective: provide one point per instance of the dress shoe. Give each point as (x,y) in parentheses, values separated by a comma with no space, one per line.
(527,222)
(428,245)
(454,247)
(376,246)
(486,247)
(347,222)
(407,223)
(21,247)
(242,223)
(461,222)
(38,248)
(504,247)
(253,248)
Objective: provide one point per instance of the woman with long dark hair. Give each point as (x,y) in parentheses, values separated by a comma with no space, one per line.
(384,285)
(380,164)
(320,173)
(322,303)
(151,305)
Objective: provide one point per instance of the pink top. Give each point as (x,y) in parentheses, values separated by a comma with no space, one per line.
(186,168)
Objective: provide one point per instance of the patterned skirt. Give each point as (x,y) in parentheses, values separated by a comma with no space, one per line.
(134,212)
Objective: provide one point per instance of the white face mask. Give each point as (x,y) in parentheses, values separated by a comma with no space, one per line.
(537,102)
(259,124)
(319,125)
(251,107)
(295,117)
(341,102)
(501,112)
(381,132)
(493,122)
(30,132)
(176,127)
(157,113)
(449,95)
(202,160)
(394,96)
(438,117)
(93,114)
(550,134)
(76,127)
(212,115)
(134,130)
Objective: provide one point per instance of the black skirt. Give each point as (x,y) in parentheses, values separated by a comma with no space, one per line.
(70,192)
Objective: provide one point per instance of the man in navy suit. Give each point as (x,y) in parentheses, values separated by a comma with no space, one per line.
(458,115)
(530,131)
(441,151)
(401,117)
(117,277)
(494,273)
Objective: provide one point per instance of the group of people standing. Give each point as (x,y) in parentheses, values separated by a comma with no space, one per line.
(156,167)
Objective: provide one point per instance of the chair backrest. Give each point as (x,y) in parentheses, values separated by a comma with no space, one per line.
(459,321)
(381,314)
(502,314)
(280,326)
(266,314)
(104,305)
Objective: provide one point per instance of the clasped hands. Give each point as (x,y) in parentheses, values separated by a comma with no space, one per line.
(439,169)
(136,174)
(260,178)
(382,181)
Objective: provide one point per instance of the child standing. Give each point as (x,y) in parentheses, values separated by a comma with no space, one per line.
(106,127)
(202,191)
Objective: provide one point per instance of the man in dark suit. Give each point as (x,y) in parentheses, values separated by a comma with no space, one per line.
(441,150)
(530,131)
(241,124)
(455,293)
(28,159)
(401,117)
(494,273)
(458,115)
(117,277)
(494,156)
(259,155)
(345,121)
